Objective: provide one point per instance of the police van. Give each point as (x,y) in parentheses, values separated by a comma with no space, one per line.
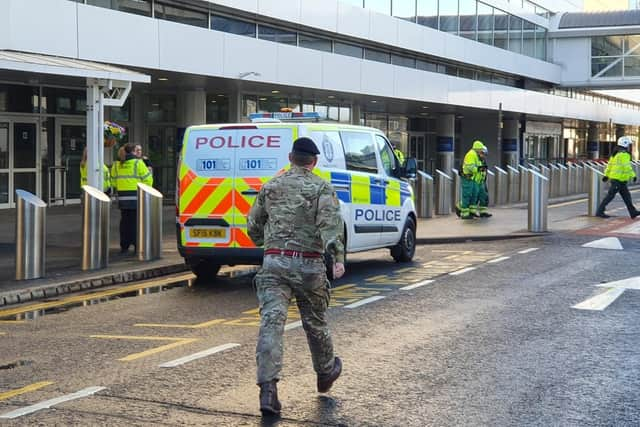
(222,168)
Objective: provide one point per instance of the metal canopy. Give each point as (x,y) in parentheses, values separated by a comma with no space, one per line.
(599,19)
(46,64)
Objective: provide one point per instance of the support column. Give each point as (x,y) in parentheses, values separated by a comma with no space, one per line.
(593,146)
(95,134)
(235,108)
(510,139)
(619,132)
(192,108)
(355,114)
(445,134)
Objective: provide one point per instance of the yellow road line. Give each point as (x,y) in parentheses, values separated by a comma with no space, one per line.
(405,270)
(194,326)
(373,278)
(177,342)
(11,322)
(339,288)
(96,295)
(23,390)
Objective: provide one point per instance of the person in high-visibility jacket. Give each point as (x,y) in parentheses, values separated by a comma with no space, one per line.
(126,173)
(481,181)
(106,175)
(619,172)
(469,173)
(399,154)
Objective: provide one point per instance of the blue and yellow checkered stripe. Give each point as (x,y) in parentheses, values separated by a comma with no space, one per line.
(365,190)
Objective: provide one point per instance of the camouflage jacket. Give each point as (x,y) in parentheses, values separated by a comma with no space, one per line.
(299,211)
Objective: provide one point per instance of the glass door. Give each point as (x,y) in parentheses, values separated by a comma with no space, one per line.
(19,159)
(71,139)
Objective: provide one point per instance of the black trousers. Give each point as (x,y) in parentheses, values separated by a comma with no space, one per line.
(128,226)
(617,187)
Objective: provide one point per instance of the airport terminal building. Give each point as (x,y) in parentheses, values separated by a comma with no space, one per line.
(432,74)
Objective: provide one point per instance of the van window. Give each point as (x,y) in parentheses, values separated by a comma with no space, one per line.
(359,152)
(386,155)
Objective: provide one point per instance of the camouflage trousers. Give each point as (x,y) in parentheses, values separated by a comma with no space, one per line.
(280,279)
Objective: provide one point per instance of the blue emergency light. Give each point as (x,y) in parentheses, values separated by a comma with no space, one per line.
(284,116)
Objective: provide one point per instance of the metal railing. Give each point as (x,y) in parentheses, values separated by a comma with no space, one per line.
(31,229)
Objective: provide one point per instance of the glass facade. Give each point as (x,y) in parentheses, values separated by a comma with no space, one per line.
(615,56)
(471,19)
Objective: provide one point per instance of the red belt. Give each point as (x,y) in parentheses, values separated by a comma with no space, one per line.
(288,252)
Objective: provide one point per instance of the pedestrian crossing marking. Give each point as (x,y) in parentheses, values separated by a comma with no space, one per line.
(176,342)
(612,243)
(26,389)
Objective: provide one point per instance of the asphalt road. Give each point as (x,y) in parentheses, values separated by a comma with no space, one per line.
(487,336)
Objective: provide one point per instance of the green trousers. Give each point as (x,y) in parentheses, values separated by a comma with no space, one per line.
(468,198)
(483,197)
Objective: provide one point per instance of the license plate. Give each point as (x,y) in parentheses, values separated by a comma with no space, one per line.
(208,233)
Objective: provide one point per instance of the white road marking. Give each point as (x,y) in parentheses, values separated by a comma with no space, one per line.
(613,291)
(364,301)
(502,258)
(416,285)
(51,402)
(602,301)
(293,325)
(633,228)
(199,355)
(464,270)
(526,251)
(612,243)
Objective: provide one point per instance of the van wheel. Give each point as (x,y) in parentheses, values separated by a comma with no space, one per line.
(205,270)
(406,247)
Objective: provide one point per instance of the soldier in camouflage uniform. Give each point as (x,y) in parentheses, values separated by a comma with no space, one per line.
(297,218)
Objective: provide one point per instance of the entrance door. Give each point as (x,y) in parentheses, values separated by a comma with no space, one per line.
(418,149)
(19,159)
(71,138)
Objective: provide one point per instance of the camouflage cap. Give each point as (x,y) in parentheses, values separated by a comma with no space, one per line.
(304,145)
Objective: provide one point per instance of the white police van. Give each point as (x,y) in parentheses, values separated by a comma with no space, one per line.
(223,166)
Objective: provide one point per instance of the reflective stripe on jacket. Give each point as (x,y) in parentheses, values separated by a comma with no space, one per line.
(125,178)
(106,177)
(619,167)
(470,164)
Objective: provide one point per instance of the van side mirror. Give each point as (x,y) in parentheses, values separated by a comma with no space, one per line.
(410,168)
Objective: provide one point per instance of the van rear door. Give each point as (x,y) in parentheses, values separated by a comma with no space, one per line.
(262,153)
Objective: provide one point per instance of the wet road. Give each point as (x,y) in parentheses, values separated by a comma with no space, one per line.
(468,334)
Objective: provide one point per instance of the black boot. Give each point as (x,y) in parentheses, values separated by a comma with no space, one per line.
(269,403)
(326,381)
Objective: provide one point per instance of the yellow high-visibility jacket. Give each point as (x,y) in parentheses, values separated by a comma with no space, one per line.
(619,167)
(470,165)
(106,177)
(125,177)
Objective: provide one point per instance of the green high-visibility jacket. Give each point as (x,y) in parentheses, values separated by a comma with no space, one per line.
(106,177)
(619,167)
(399,155)
(125,177)
(470,165)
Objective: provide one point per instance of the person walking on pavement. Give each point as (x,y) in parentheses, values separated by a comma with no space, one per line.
(619,171)
(469,174)
(483,192)
(126,174)
(296,216)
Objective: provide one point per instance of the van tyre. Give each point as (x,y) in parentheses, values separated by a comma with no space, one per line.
(406,247)
(205,270)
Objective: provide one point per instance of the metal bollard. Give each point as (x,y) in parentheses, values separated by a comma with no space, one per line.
(546,172)
(554,181)
(31,229)
(579,178)
(636,169)
(443,193)
(149,236)
(514,184)
(564,180)
(457,187)
(501,186)
(95,228)
(571,179)
(524,183)
(491,187)
(424,195)
(595,190)
(538,198)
